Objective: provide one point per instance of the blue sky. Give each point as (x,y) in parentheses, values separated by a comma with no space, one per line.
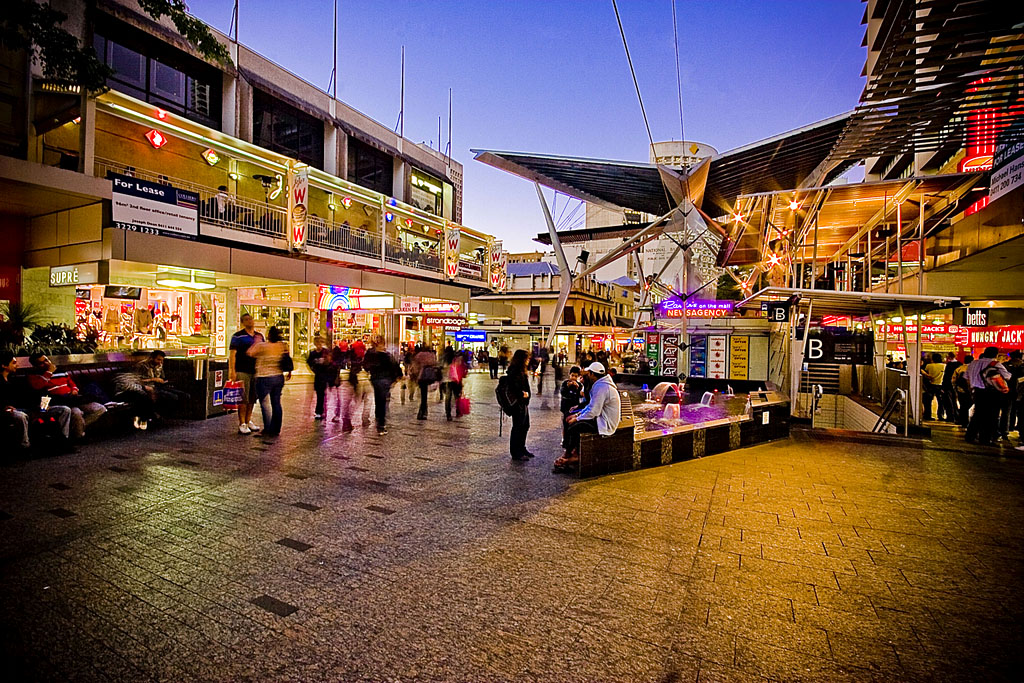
(551,76)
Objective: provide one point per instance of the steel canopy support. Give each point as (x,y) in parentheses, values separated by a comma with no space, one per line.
(566,276)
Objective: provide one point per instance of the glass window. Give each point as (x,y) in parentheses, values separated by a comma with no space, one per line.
(129,66)
(167,82)
(287,130)
(370,167)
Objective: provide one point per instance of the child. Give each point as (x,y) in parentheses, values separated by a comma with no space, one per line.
(570,396)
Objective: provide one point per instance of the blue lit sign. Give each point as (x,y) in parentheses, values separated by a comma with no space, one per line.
(471,336)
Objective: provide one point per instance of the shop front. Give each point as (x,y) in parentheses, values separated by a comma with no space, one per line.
(429,321)
(350,313)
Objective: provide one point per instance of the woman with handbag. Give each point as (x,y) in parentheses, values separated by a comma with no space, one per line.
(457,370)
(425,372)
(273,367)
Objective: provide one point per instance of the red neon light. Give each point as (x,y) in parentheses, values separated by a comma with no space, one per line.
(976,206)
(161,114)
(156,138)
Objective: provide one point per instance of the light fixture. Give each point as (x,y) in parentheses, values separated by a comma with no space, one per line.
(210,157)
(233,176)
(161,114)
(879,322)
(388,216)
(737,216)
(938,321)
(408,222)
(276,192)
(77,120)
(346,202)
(991,304)
(185,278)
(156,138)
(794,205)
(330,201)
(896,319)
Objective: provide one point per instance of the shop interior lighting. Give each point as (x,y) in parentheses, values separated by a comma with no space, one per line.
(156,138)
(879,322)
(185,278)
(210,157)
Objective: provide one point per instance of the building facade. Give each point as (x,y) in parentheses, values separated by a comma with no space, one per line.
(190,192)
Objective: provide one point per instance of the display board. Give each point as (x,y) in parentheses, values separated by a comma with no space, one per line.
(718,351)
(739,357)
(142,206)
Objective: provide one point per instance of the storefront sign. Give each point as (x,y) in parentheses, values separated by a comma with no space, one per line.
(220,324)
(452,236)
(409,304)
(1010,337)
(444,320)
(653,351)
(739,357)
(194,351)
(494,261)
(471,336)
(197,317)
(440,307)
(80,274)
(337,297)
(298,207)
(471,269)
(976,317)
(142,206)
(673,307)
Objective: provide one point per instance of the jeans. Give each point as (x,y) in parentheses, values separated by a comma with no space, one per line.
(62,414)
(932,391)
(424,389)
(520,427)
(492,365)
(270,388)
(965,402)
(381,396)
(984,426)
(320,388)
(572,435)
(453,390)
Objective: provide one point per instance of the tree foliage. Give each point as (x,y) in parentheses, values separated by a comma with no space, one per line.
(38,28)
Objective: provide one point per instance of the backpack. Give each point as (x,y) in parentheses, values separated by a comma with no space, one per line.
(503,392)
(995,380)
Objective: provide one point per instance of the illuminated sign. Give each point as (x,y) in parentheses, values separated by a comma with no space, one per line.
(471,336)
(673,307)
(335,297)
(194,351)
(81,274)
(440,307)
(298,207)
(993,336)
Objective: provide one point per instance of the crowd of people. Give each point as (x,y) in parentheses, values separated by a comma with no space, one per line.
(984,395)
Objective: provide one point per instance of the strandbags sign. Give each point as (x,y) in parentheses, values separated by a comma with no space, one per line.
(142,206)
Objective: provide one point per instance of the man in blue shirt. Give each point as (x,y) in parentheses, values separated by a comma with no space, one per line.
(601,415)
(242,368)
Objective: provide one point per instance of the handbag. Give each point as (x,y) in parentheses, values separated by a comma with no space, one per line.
(462,407)
(287,364)
(232,394)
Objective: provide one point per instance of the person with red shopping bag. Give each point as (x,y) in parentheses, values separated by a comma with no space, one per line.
(457,370)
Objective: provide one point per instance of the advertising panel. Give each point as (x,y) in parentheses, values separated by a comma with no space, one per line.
(670,354)
(452,237)
(142,206)
(698,356)
(1007,169)
(717,356)
(653,351)
(673,307)
(739,357)
(335,297)
(298,207)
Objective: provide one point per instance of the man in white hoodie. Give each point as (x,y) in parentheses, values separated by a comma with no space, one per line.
(601,415)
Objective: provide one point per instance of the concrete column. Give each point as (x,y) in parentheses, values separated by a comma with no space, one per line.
(400,180)
(243,124)
(87,137)
(342,153)
(331,150)
(229,105)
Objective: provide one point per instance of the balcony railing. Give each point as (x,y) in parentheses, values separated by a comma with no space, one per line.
(342,237)
(397,252)
(224,210)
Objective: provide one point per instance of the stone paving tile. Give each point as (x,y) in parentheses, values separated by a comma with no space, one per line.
(440,559)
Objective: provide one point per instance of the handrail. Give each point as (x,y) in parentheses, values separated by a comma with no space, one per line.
(897,399)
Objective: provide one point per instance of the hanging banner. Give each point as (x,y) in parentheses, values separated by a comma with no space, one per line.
(451,251)
(503,272)
(494,263)
(298,207)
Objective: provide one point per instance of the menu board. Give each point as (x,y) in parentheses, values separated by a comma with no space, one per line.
(698,356)
(717,356)
(739,357)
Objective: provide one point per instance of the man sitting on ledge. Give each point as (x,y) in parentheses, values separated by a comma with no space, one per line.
(601,415)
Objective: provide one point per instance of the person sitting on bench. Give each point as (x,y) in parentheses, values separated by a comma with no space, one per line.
(601,415)
(13,410)
(62,390)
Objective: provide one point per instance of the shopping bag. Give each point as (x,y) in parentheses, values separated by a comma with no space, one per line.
(233,395)
(463,406)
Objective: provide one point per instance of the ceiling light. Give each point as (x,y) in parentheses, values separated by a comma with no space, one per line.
(794,205)
(991,304)
(896,319)
(737,216)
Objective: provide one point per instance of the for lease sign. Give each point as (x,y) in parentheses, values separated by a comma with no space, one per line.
(142,206)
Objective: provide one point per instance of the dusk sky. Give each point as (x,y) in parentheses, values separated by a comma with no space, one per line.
(551,76)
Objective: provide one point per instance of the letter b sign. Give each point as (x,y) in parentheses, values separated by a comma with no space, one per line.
(815,350)
(778,312)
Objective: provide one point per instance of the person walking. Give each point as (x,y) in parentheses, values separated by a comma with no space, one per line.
(948,391)
(457,370)
(492,362)
(503,359)
(1008,417)
(982,374)
(319,361)
(424,373)
(383,371)
(242,368)
(962,387)
(273,367)
(519,390)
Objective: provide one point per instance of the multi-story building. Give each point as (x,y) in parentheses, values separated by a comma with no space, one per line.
(192,191)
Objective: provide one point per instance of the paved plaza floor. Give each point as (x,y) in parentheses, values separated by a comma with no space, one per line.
(193,553)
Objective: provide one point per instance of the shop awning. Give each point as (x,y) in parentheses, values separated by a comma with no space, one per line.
(849,303)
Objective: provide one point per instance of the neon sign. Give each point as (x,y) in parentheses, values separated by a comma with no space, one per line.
(674,307)
(335,297)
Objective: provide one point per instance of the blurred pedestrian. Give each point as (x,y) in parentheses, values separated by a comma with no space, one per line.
(273,367)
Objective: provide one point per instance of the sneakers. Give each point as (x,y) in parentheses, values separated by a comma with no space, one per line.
(244,429)
(318,417)
(253,427)
(140,423)
(382,430)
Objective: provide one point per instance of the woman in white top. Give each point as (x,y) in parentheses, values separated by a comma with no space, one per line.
(273,366)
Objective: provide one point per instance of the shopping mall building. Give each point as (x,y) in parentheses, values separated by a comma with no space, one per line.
(192,192)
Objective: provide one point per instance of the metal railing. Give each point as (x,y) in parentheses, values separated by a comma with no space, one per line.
(396,252)
(342,237)
(897,400)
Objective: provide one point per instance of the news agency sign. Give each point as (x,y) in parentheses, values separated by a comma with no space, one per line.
(152,208)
